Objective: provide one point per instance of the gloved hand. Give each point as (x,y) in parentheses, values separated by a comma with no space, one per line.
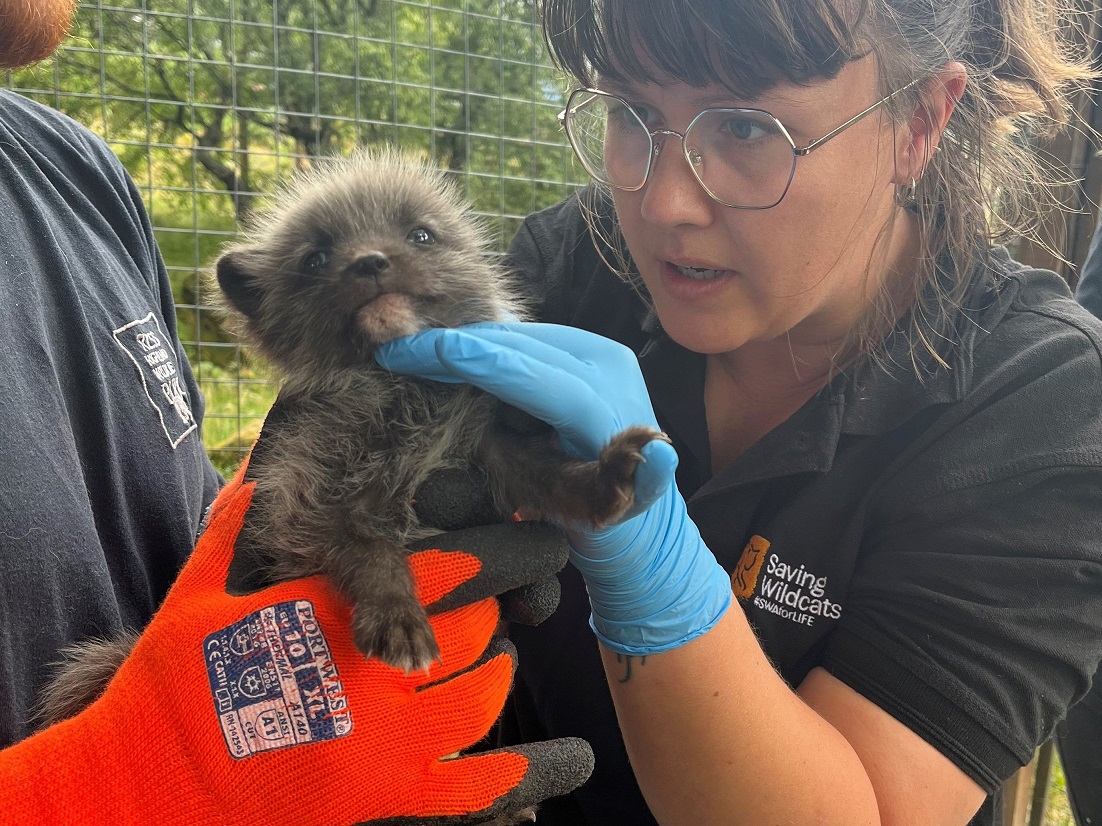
(259,709)
(653,584)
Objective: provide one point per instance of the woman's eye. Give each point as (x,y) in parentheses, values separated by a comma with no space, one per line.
(631,115)
(648,116)
(421,237)
(316,260)
(747,129)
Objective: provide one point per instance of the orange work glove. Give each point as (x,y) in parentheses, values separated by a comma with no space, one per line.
(259,709)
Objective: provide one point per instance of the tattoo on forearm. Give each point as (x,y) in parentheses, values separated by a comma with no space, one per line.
(626,659)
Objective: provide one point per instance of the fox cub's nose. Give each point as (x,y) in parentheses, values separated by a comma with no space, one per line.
(369,265)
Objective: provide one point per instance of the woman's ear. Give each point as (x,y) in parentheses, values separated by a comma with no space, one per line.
(937,100)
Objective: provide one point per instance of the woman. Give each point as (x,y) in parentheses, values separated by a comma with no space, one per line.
(887,430)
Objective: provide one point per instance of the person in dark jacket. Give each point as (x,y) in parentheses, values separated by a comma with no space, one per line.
(1079,735)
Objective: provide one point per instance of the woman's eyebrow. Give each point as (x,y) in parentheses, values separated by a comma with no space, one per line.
(613,88)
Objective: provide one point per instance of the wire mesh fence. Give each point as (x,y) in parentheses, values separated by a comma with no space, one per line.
(210,105)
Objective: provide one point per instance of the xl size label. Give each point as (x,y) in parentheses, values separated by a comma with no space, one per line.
(274,682)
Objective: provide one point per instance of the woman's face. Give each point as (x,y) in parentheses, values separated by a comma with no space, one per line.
(800,269)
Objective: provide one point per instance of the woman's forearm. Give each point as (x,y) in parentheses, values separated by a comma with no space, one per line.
(715,736)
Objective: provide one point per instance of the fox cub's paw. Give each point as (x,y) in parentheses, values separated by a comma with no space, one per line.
(397,632)
(616,473)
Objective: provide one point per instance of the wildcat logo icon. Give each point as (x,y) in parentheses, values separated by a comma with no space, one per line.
(745,576)
(790,591)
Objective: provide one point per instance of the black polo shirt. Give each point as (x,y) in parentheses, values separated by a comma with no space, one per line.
(935,544)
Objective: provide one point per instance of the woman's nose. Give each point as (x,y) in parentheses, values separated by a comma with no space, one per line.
(672,195)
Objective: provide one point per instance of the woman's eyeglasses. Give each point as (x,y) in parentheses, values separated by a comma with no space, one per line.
(744,158)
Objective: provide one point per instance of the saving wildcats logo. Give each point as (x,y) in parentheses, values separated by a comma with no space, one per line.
(789,591)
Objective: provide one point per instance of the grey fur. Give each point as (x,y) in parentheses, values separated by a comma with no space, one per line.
(335,491)
(82,675)
(338,265)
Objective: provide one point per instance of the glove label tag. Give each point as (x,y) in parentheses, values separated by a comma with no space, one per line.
(274,681)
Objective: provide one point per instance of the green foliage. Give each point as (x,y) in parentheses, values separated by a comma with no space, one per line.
(226,100)
(1057,811)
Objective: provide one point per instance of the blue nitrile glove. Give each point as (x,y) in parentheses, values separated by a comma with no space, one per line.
(653,584)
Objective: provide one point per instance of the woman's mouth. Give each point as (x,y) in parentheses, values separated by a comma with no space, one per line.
(694,284)
(698,273)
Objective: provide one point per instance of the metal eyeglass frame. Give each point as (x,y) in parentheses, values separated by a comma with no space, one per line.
(797,151)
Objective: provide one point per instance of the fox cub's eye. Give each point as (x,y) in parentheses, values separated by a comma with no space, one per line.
(421,237)
(316,260)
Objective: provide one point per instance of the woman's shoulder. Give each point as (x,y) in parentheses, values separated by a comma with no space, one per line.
(1026,322)
(1019,391)
(1023,392)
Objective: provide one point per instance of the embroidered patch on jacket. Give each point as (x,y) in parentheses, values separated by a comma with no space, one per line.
(745,576)
(274,682)
(148,347)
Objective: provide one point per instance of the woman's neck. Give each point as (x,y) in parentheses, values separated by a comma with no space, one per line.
(751,390)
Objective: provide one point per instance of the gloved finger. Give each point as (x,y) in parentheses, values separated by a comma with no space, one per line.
(563,399)
(595,359)
(552,353)
(531,604)
(455,713)
(454,498)
(439,571)
(566,348)
(498,558)
(414,355)
(554,767)
(462,636)
(495,647)
(562,348)
(511,366)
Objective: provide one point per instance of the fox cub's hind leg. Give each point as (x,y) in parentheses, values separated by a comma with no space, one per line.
(533,474)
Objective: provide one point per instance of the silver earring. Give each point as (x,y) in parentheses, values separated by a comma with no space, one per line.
(905,196)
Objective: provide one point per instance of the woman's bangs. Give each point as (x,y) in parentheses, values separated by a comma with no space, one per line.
(745,46)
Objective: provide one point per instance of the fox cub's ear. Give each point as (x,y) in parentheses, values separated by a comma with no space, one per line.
(238,284)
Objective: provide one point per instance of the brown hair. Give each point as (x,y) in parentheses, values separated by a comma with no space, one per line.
(988,185)
(30,30)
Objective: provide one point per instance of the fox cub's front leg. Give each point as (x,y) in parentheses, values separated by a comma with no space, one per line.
(388,620)
(532,474)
